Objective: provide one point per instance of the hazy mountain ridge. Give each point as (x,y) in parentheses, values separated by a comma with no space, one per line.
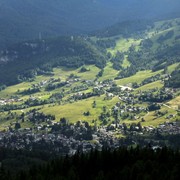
(22,20)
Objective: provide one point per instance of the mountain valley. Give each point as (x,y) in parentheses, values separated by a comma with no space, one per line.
(89,89)
(113,82)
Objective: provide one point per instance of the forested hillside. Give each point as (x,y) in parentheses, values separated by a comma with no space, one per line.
(24,61)
(22,20)
(132,164)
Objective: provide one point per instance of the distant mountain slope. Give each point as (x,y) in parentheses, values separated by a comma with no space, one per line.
(125,28)
(158,47)
(21,20)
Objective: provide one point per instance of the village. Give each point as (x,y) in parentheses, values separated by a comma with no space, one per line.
(66,138)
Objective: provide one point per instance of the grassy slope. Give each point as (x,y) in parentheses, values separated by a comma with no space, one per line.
(174,103)
(151,119)
(74,111)
(157,84)
(138,77)
(109,72)
(123,45)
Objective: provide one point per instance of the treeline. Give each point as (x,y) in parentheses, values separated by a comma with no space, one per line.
(165,37)
(166,56)
(174,80)
(2,87)
(122,163)
(30,102)
(153,96)
(37,117)
(30,91)
(106,43)
(117,60)
(52,86)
